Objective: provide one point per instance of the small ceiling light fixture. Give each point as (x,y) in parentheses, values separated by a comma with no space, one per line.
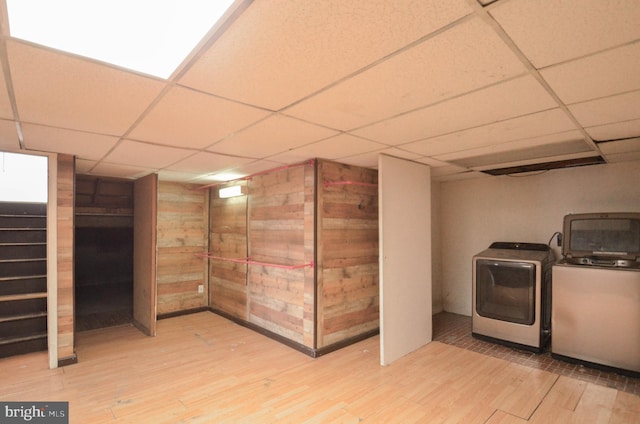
(227,192)
(148,36)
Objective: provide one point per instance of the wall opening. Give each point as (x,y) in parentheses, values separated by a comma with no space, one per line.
(23,254)
(103,252)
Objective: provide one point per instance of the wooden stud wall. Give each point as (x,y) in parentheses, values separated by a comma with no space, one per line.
(347,252)
(228,239)
(181,234)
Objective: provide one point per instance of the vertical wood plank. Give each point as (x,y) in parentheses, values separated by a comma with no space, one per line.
(228,239)
(279,230)
(65,226)
(144,253)
(182,222)
(347,251)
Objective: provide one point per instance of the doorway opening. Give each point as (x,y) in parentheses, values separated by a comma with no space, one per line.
(103,252)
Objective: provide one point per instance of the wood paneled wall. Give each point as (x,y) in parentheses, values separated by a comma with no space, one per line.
(65,215)
(228,239)
(182,230)
(290,218)
(347,252)
(281,231)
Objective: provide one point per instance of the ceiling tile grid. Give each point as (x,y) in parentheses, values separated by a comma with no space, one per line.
(554,31)
(538,124)
(187,118)
(82,144)
(464,58)
(441,82)
(281,51)
(273,135)
(515,97)
(64,91)
(608,73)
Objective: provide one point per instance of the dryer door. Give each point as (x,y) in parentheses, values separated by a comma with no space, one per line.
(505,290)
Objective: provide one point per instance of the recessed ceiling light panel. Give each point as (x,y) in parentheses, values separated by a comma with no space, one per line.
(147,36)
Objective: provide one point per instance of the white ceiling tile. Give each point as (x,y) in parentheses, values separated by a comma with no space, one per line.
(524,127)
(552,31)
(246,170)
(6,112)
(623,157)
(331,148)
(9,136)
(520,96)
(165,175)
(204,162)
(187,118)
(574,138)
(84,145)
(620,146)
(464,58)
(63,91)
(459,176)
(280,51)
(83,166)
(276,134)
(400,153)
(120,171)
(366,160)
(134,153)
(605,74)
(623,107)
(446,170)
(626,129)
(370,159)
(534,161)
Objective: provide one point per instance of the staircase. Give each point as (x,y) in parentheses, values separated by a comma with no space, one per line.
(23,278)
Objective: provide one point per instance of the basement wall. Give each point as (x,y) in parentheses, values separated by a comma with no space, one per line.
(476,212)
(182,229)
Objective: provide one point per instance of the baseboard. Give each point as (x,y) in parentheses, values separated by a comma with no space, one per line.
(594,365)
(183,312)
(69,360)
(314,353)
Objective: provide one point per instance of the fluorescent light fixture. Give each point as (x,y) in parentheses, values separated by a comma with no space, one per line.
(233,191)
(149,36)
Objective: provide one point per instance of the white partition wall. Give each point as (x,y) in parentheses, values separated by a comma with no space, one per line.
(405,257)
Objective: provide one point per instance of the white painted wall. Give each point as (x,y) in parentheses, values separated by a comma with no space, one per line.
(476,212)
(404,189)
(436,258)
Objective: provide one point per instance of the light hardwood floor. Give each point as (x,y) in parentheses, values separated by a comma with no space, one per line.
(202,368)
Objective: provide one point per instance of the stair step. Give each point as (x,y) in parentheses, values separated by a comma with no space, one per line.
(11,340)
(10,268)
(26,296)
(17,260)
(35,243)
(23,235)
(23,229)
(22,277)
(20,208)
(15,215)
(23,316)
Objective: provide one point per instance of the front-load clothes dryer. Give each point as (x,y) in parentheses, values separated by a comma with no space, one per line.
(512,294)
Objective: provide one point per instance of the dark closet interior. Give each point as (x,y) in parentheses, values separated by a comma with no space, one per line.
(103,252)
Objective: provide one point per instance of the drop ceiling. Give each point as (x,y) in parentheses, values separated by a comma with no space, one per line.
(454,84)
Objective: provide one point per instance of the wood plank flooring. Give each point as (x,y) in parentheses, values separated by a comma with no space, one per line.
(202,368)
